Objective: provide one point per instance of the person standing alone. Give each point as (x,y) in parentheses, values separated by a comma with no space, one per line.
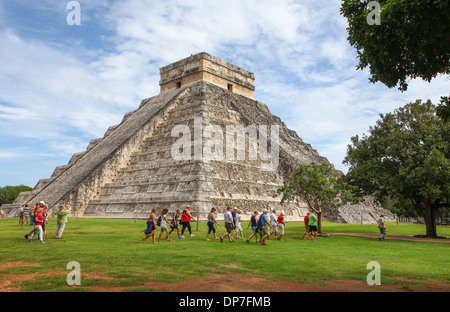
(382,227)
(61,220)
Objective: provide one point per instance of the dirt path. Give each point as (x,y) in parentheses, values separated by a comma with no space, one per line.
(402,237)
(229,282)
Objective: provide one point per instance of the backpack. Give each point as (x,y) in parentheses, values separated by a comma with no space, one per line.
(259,224)
(185,218)
(158,222)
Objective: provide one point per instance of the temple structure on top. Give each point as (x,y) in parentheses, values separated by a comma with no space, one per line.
(205,67)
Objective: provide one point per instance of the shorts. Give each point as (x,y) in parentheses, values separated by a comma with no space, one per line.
(163,228)
(254,228)
(238,228)
(173,226)
(281,226)
(274,228)
(265,230)
(312,228)
(229,227)
(306,228)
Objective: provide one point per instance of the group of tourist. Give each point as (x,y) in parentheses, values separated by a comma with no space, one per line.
(164,223)
(38,217)
(263,226)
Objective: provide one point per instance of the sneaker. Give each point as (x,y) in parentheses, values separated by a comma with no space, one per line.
(221,239)
(192,235)
(26,236)
(182,236)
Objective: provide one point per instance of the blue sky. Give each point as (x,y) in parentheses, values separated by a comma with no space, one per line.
(62,86)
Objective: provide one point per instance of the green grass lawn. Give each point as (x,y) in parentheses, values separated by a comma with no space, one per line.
(114,248)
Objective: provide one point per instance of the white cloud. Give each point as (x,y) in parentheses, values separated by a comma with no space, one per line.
(4,154)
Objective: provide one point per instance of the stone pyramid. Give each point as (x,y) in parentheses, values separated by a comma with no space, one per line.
(203,141)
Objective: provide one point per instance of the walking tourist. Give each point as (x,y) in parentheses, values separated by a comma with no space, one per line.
(20,211)
(26,213)
(186,219)
(306,219)
(382,227)
(253,221)
(281,223)
(211,222)
(312,224)
(264,224)
(163,224)
(151,227)
(273,223)
(38,221)
(229,225)
(237,226)
(174,223)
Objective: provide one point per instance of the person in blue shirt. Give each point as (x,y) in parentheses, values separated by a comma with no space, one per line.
(265,224)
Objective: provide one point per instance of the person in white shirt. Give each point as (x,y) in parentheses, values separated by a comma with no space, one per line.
(238,227)
(382,228)
(229,225)
(163,224)
(274,223)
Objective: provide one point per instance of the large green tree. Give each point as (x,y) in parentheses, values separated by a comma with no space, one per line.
(405,157)
(317,184)
(411,40)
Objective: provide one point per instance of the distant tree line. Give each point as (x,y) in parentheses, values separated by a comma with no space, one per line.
(9,193)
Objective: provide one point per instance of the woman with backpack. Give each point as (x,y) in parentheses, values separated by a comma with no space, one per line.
(151,226)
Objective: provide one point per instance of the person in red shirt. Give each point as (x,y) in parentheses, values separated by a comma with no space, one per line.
(306,224)
(281,224)
(38,221)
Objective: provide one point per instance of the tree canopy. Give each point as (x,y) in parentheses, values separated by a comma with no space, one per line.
(9,193)
(405,157)
(412,39)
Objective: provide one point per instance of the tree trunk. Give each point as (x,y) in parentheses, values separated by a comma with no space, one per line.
(319,222)
(430,220)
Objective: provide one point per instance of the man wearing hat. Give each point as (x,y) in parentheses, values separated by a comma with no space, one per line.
(62,213)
